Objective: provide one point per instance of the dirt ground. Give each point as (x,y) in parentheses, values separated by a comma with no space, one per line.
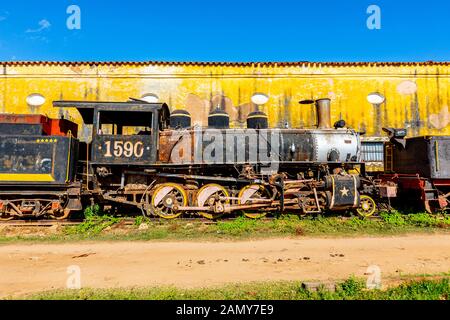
(27,268)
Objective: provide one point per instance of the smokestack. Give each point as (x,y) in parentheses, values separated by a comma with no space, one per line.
(323,113)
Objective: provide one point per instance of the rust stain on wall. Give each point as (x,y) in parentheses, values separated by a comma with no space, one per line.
(417,94)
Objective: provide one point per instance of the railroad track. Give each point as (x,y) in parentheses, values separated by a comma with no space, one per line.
(38,223)
(125,221)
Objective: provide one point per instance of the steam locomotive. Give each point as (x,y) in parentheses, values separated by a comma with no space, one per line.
(140,156)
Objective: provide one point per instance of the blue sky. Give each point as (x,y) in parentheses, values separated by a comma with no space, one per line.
(229,30)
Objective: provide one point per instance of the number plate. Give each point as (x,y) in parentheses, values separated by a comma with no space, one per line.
(122,149)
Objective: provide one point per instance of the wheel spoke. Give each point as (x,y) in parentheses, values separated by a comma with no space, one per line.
(367,206)
(166,192)
(252,192)
(211,191)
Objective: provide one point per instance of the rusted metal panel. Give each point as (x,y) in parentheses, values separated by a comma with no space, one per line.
(323,113)
(246,146)
(61,127)
(387,191)
(22,118)
(427,156)
(36,124)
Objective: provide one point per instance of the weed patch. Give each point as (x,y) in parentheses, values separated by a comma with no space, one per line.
(350,289)
(92,225)
(241,228)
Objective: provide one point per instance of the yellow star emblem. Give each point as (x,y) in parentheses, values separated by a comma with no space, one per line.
(344,191)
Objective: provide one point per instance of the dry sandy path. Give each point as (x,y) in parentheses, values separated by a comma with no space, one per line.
(26,268)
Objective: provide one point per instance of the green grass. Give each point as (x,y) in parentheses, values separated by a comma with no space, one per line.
(103,227)
(351,289)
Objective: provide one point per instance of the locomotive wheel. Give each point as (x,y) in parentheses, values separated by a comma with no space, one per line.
(367,206)
(207,195)
(253,191)
(166,197)
(6,215)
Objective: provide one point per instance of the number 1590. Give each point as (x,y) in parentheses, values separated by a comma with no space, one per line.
(127,149)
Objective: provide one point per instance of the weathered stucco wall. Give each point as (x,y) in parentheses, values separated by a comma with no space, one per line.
(417,94)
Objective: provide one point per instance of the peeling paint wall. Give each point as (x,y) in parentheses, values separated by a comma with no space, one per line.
(417,96)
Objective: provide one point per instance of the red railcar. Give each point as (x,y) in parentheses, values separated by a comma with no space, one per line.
(36,124)
(418,167)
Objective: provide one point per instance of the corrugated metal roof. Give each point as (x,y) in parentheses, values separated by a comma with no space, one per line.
(223,64)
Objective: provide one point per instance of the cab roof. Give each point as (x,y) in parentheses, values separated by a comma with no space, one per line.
(86,108)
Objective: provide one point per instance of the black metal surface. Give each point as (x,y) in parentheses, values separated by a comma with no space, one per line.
(343,191)
(20,129)
(209,178)
(180,119)
(257,120)
(218,119)
(86,108)
(120,149)
(428,156)
(34,155)
(297,147)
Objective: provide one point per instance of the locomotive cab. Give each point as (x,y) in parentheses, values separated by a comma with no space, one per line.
(123,133)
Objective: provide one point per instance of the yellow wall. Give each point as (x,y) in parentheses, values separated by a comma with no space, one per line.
(197,87)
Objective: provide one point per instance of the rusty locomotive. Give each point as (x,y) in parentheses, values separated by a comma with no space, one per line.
(140,156)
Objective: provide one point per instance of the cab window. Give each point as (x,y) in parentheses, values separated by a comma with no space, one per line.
(124,123)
